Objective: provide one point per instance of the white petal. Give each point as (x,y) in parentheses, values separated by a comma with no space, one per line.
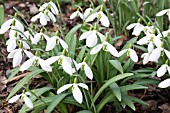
(33,19)
(112,50)
(154,56)
(88,72)
(25,45)
(167,53)
(104,19)
(26,64)
(3,30)
(28,93)
(162,12)
(17,58)
(43,6)
(43,20)
(63,44)
(138,29)
(19,26)
(73,15)
(91,39)
(51,43)
(81,15)
(164,84)
(36,38)
(150,47)
(144,40)
(157,41)
(45,66)
(96,49)
(131,26)
(122,52)
(102,37)
(52,17)
(7,23)
(29,54)
(87,12)
(14,99)
(12,53)
(162,70)
(133,55)
(145,58)
(85,35)
(83,86)
(66,64)
(51,60)
(77,94)
(11,46)
(63,88)
(27,101)
(92,17)
(54,8)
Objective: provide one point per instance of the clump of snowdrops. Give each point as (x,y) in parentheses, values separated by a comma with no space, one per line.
(84,70)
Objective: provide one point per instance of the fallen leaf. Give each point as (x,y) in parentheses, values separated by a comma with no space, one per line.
(165,108)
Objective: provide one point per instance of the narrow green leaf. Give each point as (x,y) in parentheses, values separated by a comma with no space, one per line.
(128,102)
(116,64)
(116,90)
(147,81)
(23,81)
(138,100)
(81,54)
(13,72)
(55,102)
(85,111)
(110,81)
(72,46)
(132,87)
(1,14)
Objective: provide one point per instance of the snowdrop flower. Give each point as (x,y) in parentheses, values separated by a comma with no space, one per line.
(51,42)
(162,70)
(77,13)
(9,23)
(24,97)
(101,16)
(63,60)
(156,53)
(131,53)
(137,28)
(84,66)
(167,11)
(148,29)
(164,33)
(165,83)
(91,37)
(106,47)
(77,94)
(51,6)
(28,35)
(36,61)
(146,56)
(87,12)
(39,36)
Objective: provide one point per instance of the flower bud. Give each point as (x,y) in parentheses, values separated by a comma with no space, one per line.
(139,20)
(20,45)
(166,62)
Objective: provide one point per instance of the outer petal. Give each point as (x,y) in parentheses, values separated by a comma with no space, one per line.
(83,86)
(25,45)
(88,72)
(145,58)
(102,37)
(122,52)
(51,43)
(157,41)
(112,50)
(63,44)
(43,6)
(73,15)
(81,15)
(133,55)
(11,46)
(162,12)
(92,17)
(167,53)
(7,23)
(33,19)
(162,70)
(87,12)
(29,54)
(14,99)
(2,31)
(52,17)
(63,88)
(154,56)
(104,19)
(77,94)
(43,20)
(85,35)
(164,84)
(19,26)
(54,8)
(51,60)
(96,49)
(36,38)
(66,64)
(144,40)
(17,58)
(91,39)
(131,26)
(12,53)
(45,66)
(138,29)
(150,47)
(26,64)
(27,101)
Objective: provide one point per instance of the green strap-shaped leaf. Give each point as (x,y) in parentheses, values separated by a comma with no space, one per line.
(1,15)
(24,81)
(81,54)
(116,90)
(85,111)
(132,87)
(55,102)
(110,81)
(116,64)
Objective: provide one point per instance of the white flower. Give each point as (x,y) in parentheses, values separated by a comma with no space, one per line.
(103,18)
(87,12)
(39,36)
(148,29)
(24,97)
(51,42)
(91,37)
(11,22)
(36,61)
(106,47)
(162,70)
(131,53)
(138,28)
(167,11)
(86,69)
(75,90)
(77,13)
(165,83)
(164,33)
(64,61)
(43,18)
(50,5)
